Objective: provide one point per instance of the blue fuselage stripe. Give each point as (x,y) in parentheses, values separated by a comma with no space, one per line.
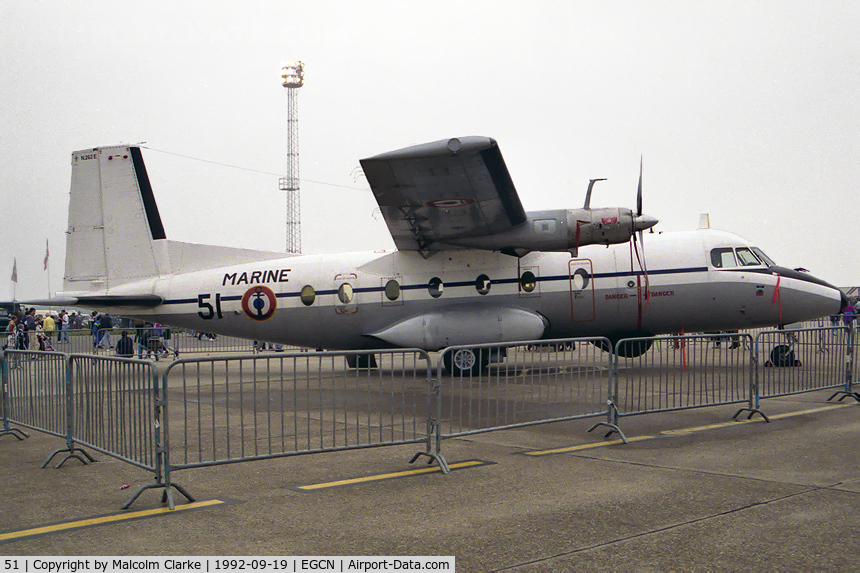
(546,279)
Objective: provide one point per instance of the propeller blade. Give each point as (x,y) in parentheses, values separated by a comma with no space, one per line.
(640,223)
(642,265)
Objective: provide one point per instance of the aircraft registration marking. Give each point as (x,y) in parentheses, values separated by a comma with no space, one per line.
(103,520)
(392,475)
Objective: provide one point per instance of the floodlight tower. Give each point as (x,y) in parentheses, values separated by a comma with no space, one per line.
(292,78)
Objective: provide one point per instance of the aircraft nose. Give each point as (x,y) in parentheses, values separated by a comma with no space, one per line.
(642,222)
(820,298)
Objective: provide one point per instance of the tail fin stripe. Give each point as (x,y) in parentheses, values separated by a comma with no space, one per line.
(156,229)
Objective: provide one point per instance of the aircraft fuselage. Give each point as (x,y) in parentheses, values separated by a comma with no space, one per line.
(399,298)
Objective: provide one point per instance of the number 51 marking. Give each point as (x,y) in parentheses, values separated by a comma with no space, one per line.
(210,312)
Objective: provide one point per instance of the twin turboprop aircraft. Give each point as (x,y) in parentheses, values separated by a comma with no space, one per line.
(471,266)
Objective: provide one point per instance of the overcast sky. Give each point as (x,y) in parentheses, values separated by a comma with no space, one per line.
(747,111)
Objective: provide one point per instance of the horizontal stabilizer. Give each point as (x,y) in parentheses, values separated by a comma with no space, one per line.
(100,301)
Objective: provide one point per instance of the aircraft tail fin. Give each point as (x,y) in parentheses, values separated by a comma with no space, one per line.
(115,234)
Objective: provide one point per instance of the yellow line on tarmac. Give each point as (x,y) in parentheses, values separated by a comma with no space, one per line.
(683,431)
(584,446)
(102,520)
(380,477)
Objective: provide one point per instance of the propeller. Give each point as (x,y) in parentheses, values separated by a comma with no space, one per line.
(640,223)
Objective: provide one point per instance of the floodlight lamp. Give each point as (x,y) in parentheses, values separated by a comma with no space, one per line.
(293,75)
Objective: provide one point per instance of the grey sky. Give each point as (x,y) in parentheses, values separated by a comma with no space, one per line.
(744,110)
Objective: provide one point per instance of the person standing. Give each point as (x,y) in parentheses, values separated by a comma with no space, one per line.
(125,345)
(64,326)
(94,328)
(49,325)
(29,327)
(106,325)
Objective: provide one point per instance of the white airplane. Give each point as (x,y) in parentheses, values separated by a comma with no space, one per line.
(471,266)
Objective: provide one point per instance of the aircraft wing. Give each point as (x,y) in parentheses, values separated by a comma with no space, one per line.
(449,189)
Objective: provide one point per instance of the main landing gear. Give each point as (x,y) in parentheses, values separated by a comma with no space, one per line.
(466,361)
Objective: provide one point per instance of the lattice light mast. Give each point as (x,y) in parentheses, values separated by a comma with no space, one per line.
(292,78)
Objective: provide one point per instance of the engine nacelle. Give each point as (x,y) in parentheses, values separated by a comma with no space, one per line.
(607,226)
(563,230)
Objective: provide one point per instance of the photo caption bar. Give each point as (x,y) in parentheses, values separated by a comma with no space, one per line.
(216,564)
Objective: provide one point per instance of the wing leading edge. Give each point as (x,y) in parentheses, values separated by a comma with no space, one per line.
(437,193)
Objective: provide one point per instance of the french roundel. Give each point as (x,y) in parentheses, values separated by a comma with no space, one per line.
(259,303)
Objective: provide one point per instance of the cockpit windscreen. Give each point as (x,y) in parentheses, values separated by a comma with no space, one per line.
(728,257)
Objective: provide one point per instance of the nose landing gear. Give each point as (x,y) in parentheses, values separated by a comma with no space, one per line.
(782,355)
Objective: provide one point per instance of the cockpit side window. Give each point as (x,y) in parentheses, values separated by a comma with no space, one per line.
(723,258)
(746,257)
(765,259)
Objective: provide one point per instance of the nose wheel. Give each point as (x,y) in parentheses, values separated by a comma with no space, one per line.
(782,355)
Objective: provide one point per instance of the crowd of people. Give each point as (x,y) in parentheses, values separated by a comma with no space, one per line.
(28,330)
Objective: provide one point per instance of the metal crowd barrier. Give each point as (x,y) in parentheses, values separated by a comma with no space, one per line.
(115,408)
(34,389)
(524,383)
(207,411)
(680,372)
(800,360)
(853,362)
(231,409)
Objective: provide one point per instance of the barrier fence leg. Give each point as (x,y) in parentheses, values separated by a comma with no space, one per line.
(612,412)
(754,396)
(71,448)
(849,369)
(162,451)
(611,423)
(434,427)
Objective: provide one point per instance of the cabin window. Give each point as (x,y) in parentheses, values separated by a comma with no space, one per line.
(746,257)
(392,290)
(435,287)
(308,295)
(723,258)
(579,280)
(482,284)
(528,281)
(345,294)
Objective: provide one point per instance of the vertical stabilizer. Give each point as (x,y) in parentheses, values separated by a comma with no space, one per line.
(114,223)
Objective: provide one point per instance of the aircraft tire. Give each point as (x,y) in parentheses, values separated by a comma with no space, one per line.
(629,349)
(361,361)
(782,355)
(465,361)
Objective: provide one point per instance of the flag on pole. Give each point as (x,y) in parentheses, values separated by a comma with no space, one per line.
(46,254)
(15,270)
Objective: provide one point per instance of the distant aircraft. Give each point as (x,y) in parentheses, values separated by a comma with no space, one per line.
(471,266)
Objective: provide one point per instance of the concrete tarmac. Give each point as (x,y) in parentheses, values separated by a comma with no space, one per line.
(693,490)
